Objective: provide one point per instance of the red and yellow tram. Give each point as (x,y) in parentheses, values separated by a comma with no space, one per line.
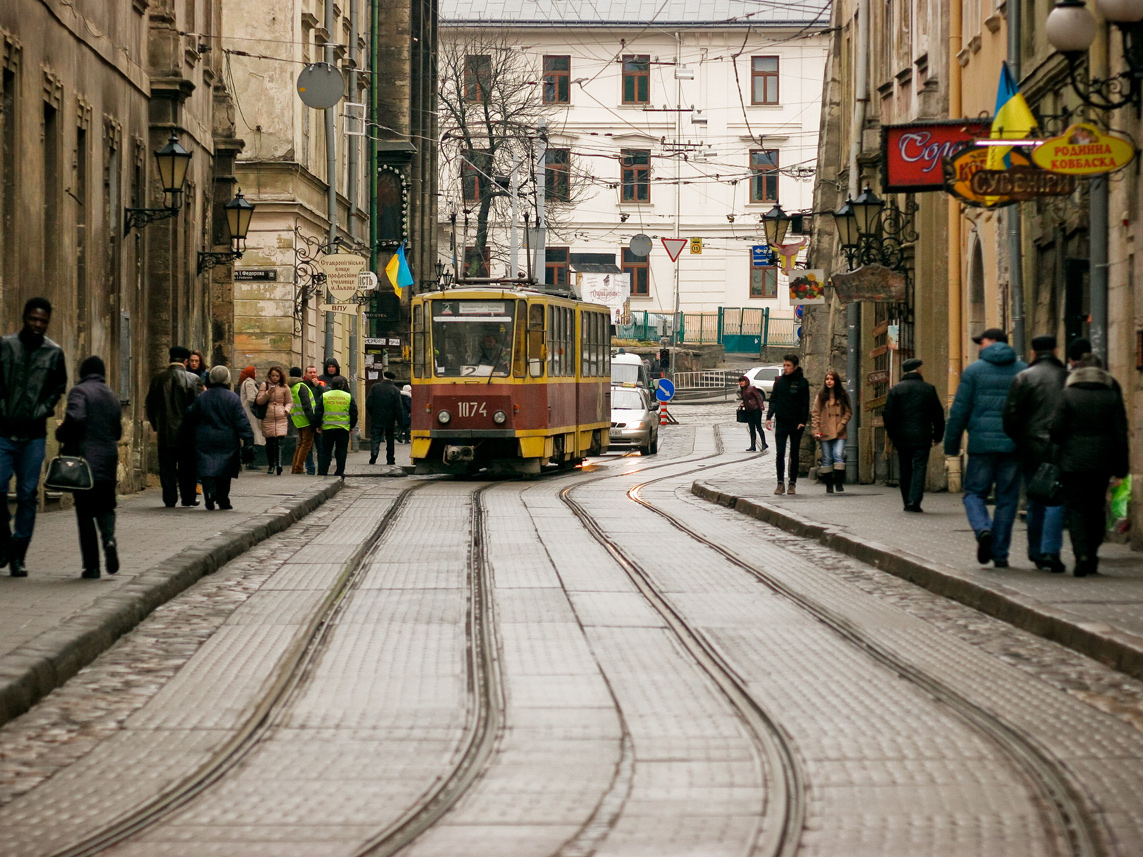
(508,379)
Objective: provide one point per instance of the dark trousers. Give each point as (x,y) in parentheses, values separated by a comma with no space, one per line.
(274,452)
(913,461)
(754,423)
(178,474)
(334,445)
(95,507)
(793,434)
(389,429)
(216,489)
(1086,495)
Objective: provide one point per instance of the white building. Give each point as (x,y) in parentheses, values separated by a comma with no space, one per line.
(676,119)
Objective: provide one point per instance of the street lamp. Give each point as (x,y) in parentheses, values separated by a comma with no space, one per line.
(239,213)
(846,222)
(775,222)
(444,275)
(172,161)
(1071,28)
(866,211)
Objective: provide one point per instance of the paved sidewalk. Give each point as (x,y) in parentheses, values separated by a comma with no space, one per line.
(53,622)
(1101,616)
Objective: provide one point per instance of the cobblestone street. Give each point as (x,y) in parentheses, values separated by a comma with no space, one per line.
(597,662)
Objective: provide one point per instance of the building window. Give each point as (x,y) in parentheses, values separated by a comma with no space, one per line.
(556,266)
(472,181)
(477,264)
(640,273)
(557,80)
(636,175)
(636,79)
(557,174)
(764,80)
(764,175)
(763,282)
(477,77)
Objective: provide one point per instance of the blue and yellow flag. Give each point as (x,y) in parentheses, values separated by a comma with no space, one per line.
(398,271)
(1013,120)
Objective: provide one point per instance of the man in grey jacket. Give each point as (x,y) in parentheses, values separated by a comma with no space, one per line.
(33,377)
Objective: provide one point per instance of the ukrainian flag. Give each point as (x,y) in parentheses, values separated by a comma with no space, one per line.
(1012,120)
(398,271)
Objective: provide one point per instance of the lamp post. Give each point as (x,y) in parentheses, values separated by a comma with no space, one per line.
(172,161)
(872,231)
(239,213)
(444,275)
(775,222)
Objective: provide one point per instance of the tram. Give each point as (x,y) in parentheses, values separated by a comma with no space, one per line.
(508,379)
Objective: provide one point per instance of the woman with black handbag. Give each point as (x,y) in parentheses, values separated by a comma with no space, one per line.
(750,411)
(91,429)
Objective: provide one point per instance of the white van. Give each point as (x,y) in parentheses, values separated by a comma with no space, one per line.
(630,370)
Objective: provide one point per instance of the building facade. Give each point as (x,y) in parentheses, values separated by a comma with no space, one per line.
(667,120)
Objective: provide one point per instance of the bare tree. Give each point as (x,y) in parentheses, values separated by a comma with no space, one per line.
(491,99)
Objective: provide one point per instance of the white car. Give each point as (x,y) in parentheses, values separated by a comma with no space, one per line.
(634,422)
(763,377)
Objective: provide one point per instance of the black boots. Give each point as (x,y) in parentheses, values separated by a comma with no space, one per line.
(17,551)
(826,477)
(839,480)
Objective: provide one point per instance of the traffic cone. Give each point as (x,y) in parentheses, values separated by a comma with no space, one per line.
(664,417)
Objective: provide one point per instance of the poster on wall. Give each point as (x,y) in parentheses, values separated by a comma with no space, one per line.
(611,290)
(807,287)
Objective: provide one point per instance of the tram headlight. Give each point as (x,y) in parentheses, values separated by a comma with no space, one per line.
(499,417)
(443,418)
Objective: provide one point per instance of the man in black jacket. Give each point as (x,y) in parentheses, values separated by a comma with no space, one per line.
(173,391)
(1032,401)
(332,370)
(915,423)
(383,405)
(790,410)
(32,379)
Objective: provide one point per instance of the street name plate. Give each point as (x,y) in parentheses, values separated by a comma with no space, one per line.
(255,275)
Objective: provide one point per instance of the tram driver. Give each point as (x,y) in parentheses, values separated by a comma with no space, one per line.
(492,352)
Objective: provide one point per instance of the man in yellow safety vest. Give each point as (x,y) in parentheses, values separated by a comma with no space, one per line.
(335,416)
(302,416)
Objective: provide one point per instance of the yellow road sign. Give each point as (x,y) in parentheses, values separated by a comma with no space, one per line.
(696,245)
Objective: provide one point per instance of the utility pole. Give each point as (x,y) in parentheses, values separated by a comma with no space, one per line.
(514,196)
(352,158)
(678,172)
(541,181)
(330,164)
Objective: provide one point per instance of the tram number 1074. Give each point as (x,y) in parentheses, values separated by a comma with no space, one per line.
(471,409)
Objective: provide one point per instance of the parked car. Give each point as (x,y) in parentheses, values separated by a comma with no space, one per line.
(634,420)
(763,377)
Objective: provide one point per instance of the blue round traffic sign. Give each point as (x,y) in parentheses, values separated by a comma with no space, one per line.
(799,331)
(798,311)
(665,391)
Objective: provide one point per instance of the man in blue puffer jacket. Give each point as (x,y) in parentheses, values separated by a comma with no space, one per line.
(992,460)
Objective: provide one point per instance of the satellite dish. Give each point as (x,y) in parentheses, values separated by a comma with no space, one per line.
(640,245)
(320,86)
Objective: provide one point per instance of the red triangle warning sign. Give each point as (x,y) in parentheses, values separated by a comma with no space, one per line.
(674,246)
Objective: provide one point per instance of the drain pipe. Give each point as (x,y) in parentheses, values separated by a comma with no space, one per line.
(1015,223)
(330,164)
(352,155)
(955,223)
(853,310)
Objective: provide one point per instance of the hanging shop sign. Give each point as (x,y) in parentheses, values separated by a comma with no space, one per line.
(1084,150)
(341,270)
(912,155)
(807,287)
(962,167)
(872,283)
(1021,183)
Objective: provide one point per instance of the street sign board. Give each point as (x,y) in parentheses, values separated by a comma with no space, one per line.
(351,309)
(674,246)
(913,154)
(320,86)
(760,256)
(1084,150)
(665,391)
(696,246)
(366,281)
(341,270)
(255,275)
(640,245)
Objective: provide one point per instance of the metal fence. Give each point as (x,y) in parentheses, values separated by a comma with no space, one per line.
(644,326)
(705,379)
(740,330)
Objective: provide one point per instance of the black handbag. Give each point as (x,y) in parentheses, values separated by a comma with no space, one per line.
(1045,487)
(741,416)
(68,473)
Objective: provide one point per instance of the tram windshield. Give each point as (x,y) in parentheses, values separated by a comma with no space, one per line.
(472,338)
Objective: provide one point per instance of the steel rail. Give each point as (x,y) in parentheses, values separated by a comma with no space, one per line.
(285,678)
(785,779)
(1063,805)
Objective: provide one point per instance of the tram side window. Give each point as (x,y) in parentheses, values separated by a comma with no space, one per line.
(591,344)
(420,342)
(519,342)
(537,350)
(561,336)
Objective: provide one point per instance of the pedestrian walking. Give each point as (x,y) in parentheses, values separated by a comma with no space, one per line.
(1028,413)
(317,388)
(789,412)
(332,370)
(337,415)
(831,415)
(223,435)
(196,365)
(302,416)
(247,393)
(406,413)
(276,396)
(915,423)
(383,405)
(1090,427)
(751,402)
(172,391)
(33,377)
(91,429)
(992,462)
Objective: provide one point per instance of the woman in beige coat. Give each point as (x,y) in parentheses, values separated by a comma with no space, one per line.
(276,396)
(831,414)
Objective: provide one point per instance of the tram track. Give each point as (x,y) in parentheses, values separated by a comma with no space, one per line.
(1063,807)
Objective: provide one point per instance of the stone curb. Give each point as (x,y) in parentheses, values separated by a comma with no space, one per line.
(1115,648)
(33,670)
